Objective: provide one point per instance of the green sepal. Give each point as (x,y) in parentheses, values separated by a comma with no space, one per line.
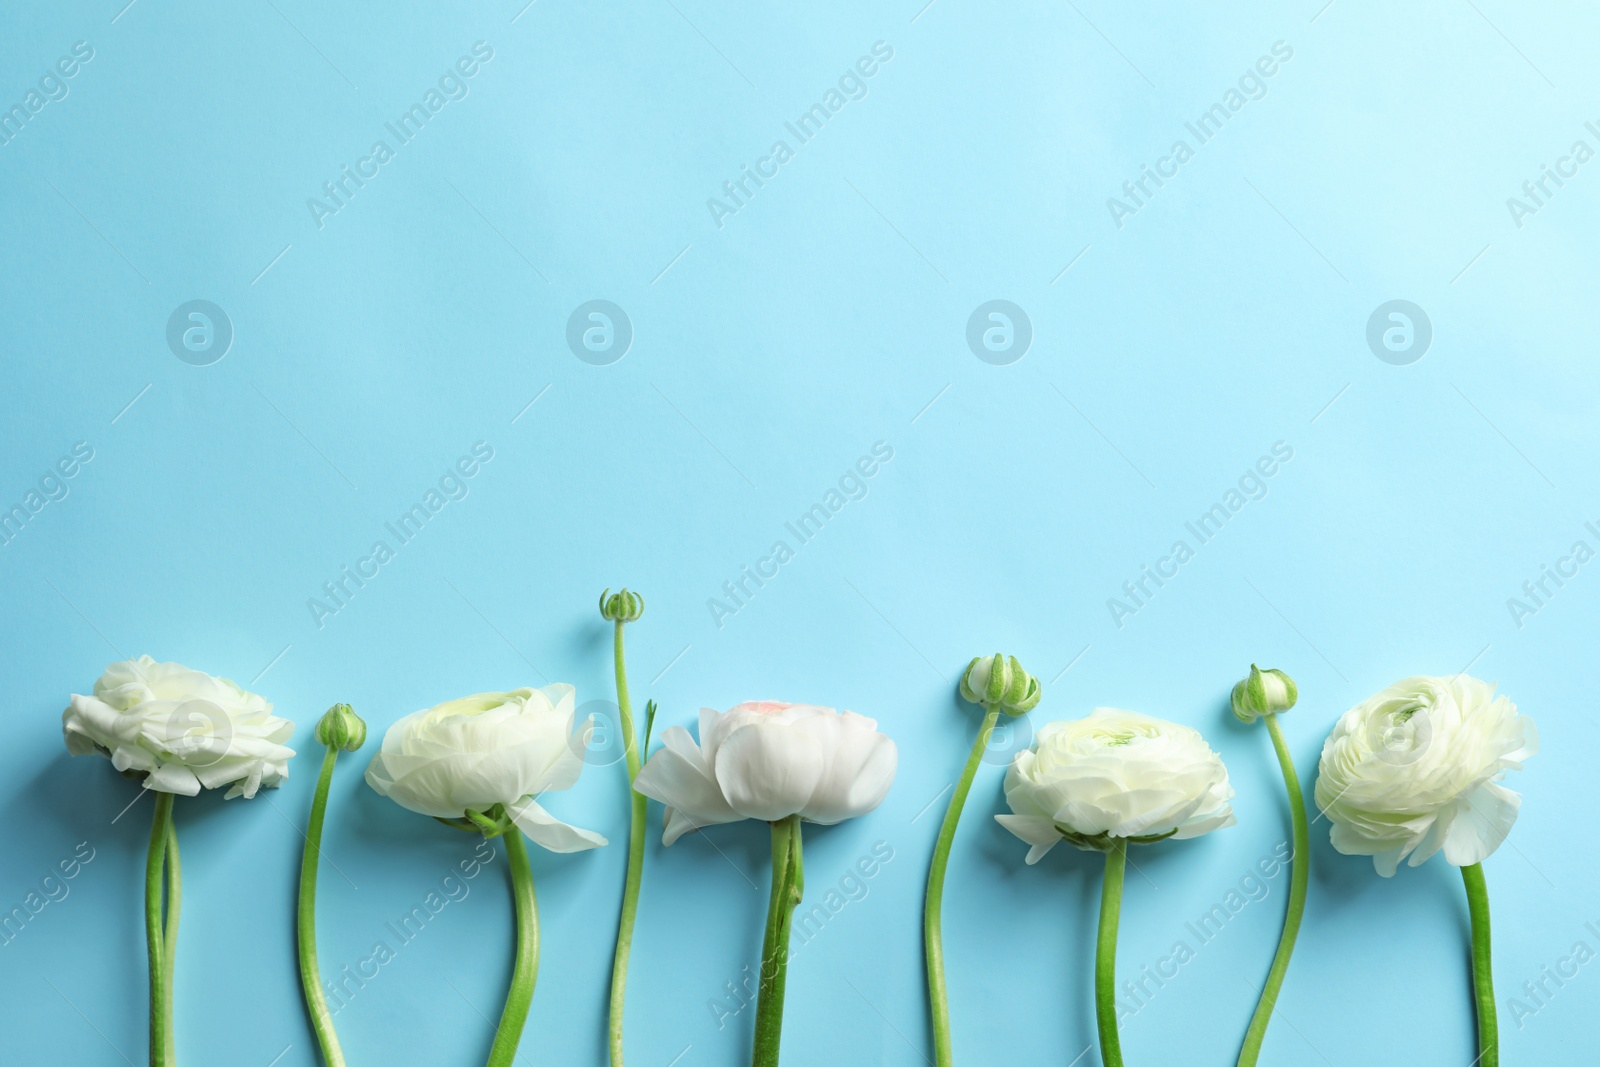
(624,606)
(999,681)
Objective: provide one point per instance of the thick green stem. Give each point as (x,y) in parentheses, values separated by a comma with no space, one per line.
(310,974)
(155,933)
(637,816)
(788,886)
(526,968)
(1299,875)
(1482,976)
(169,941)
(932,929)
(1105,957)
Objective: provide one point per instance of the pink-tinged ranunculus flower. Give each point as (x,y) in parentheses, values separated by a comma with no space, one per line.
(766,760)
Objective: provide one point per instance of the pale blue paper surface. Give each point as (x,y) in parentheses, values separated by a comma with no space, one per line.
(768,349)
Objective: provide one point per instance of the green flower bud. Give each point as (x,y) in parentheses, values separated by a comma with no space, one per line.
(341,728)
(1263,693)
(621,607)
(999,681)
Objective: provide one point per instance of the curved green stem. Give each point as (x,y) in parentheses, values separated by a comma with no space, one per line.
(788,886)
(1299,875)
(306,929)
(155,933)
(637,817)
(1105,957)
(630,746)
(526,968)
(932,927)
(169,941)
(1482,976)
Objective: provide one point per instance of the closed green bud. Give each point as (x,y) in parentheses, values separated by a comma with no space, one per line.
(1263,693)
(999,681)
(621,607)
(342,728)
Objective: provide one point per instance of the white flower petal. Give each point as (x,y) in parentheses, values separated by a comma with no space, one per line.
(769,770)
(443,788)
(677,776)
(563,770)
(860,767)
(1483,820)
(1387,862)
(173,778)
(246,787)
(545,829)
(1196,827)
(1039,832)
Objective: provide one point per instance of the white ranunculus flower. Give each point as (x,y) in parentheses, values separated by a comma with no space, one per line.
(182,728)
(491,748)
(1115,774)
(766,760)
(1417,768)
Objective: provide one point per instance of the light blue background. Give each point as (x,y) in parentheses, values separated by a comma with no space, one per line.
(829,313)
